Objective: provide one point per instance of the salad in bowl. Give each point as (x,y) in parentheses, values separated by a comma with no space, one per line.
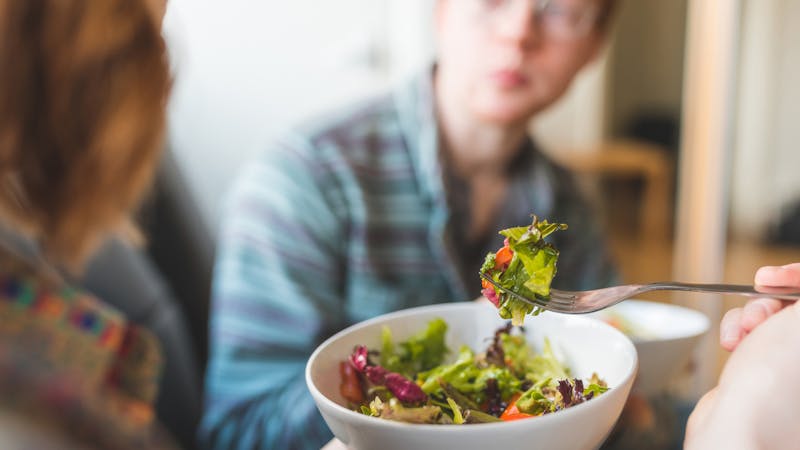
(409,381)
(549,346)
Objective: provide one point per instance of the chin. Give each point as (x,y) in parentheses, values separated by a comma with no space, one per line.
(505,109)
(503,115)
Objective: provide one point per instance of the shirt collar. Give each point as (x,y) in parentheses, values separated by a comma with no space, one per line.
(531,173)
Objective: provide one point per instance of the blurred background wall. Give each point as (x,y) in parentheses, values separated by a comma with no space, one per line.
(248,69)
(646,73)
(764,181)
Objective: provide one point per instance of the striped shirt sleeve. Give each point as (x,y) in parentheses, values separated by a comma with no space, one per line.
(276,291)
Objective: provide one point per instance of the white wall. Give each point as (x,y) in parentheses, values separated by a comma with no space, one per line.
(247,69)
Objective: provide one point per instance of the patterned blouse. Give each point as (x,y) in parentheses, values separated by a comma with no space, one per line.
(72,369)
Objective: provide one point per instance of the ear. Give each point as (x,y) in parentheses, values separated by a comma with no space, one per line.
(596,48)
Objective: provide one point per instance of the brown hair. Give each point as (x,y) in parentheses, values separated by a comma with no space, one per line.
(606,14)
(83,90)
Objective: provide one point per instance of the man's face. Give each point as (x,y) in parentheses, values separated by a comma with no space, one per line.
(509,59)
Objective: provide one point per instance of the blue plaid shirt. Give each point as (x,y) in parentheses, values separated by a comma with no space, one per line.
(343,220)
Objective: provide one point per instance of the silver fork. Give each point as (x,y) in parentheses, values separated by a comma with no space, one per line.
(582,302)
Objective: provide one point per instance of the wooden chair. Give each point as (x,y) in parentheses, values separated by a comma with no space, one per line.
(629,159)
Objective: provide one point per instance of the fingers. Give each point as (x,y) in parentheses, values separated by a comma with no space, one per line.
(788,275)
(738,322)
(757,311)
(730,329)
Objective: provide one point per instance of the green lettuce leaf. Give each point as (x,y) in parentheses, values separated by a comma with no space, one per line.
(468,377)
(394,410)
(545,365)
(530,271)
(538,399)
(421,352)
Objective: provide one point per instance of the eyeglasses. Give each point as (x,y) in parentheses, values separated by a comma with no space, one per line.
(557,19)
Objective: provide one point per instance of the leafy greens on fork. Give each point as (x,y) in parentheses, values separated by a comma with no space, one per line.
(525,265)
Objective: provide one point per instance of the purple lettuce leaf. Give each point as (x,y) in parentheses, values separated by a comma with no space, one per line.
(401,387)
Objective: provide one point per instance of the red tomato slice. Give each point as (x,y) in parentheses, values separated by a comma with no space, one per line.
(512,412)
(503,257)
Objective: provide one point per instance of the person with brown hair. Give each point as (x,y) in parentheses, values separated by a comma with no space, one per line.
(82,110)
(83,91)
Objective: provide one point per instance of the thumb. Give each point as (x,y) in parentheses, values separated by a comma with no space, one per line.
(700,413)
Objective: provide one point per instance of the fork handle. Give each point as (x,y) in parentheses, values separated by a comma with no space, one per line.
(781,293)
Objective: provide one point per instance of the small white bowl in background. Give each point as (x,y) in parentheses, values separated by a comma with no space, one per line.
(586,345)
(664,335)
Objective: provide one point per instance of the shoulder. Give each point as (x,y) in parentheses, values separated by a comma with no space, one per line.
(327,158)
(352,121)
(360,133)
(328,148)
(366,129)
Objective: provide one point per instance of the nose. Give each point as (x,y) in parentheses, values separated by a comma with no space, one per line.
(519,25)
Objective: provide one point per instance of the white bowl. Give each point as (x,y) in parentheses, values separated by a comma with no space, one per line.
(586,345)
(667,335)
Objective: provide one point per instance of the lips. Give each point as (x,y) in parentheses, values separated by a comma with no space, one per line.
(509,78)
